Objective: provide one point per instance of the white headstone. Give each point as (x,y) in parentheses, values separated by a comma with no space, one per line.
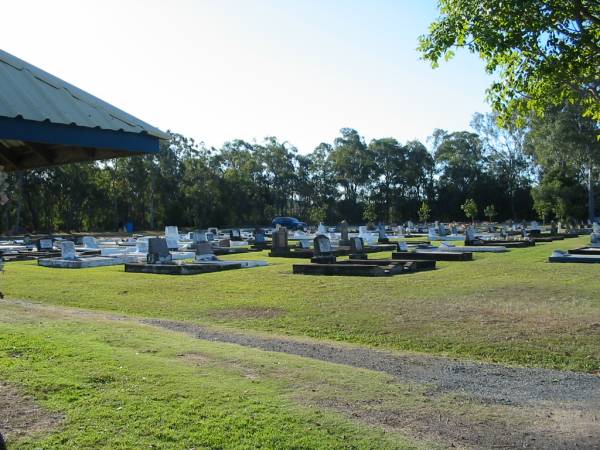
(67,250)
(402,246)
(322,229)
(172,243)
(90,242)
(172,231)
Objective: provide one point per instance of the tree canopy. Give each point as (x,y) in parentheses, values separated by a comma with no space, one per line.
(545,52)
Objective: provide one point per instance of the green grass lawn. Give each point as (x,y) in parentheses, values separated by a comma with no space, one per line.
(514,308)
(125,385)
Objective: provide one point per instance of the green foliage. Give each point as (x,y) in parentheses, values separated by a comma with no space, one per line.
(490,212)
(470,208)
(369,213)
(245,184)
(318,214)
(3,185)
(566,149)
(424,212)
(545,53)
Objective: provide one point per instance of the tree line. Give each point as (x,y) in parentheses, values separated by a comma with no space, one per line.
(544,169)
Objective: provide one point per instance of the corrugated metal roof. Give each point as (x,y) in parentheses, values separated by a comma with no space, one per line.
(28,92)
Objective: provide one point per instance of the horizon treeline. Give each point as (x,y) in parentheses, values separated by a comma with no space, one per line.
(545,169)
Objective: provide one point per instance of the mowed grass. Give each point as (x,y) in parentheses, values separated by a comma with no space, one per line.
(124,385)
(513,308)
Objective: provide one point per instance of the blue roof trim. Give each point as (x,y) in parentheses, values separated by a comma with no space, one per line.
(73,135)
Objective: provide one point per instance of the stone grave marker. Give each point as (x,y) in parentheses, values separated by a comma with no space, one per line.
(44,244)
(259,236)
(158,251)
(595,236)
(204,252)
(280,240)
(357,248)
(197,236)
(469,235)
(90,242)
(382,237)
(344,233)
(322,229)
(322,254)
(67,250)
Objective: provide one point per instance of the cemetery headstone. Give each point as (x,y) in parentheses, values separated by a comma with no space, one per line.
(469,235)
(44,245)
(323,253)
(172,243)
(402,247)
(357,248)
(197,236)
(172,231)
(235,235)
(382,237)
(595,236)
(158,251)
(344,233)
(204,252)
(90,242)
(67,250)
(280,241)
(322,229)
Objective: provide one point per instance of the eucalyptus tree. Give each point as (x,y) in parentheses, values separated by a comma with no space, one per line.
(390,173)
(504,148)
(352,163)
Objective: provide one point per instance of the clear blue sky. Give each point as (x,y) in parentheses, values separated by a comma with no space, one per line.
(219,70)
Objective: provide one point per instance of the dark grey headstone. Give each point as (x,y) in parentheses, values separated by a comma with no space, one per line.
(280,239)
(344,231)
(158,251)
(259,236)
(357,245)
(322,245)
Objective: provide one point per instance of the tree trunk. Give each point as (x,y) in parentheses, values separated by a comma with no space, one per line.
(591,200)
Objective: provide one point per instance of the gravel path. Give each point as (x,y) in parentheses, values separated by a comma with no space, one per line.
(488,382)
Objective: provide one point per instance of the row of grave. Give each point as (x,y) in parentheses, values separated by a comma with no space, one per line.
(122,254)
